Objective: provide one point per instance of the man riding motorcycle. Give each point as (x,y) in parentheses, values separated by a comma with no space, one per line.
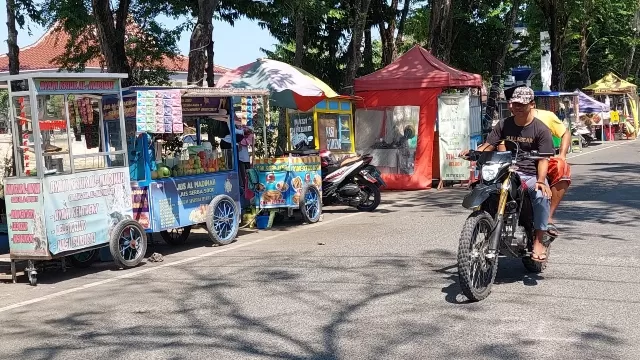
(531,134)
(559,173)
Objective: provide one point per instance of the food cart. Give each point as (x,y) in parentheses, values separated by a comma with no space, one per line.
(179,178)
(291,182)
(70,193)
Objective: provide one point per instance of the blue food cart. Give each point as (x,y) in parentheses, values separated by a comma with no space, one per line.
(179,179)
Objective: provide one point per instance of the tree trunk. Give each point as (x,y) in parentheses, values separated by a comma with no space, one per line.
(368,52)
(210,69)
(636,32)
(201,40)
(440,29)
(584,59)
(12,39)
(498,65)
(557,18)
(111,33)
(387,33)
(355,51)
(299,19)
(401,25)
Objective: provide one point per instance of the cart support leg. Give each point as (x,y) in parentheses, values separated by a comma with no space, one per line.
(14,275)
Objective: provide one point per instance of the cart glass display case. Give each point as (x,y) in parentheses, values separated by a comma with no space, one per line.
(70,187)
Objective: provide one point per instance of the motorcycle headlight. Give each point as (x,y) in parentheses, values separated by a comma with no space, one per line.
(489,172)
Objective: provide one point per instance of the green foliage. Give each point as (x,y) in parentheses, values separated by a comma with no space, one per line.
(478,33)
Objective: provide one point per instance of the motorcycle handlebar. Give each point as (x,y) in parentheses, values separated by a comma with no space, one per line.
(474,155)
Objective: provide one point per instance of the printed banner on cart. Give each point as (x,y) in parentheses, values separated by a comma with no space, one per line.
(453,127)
(25,220)
(82,208)
(280,184)
(75,86)
(180,202)
(141,206)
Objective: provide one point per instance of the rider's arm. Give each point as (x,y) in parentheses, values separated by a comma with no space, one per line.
(560,131)
(545,146)
(564,144)
(493,139)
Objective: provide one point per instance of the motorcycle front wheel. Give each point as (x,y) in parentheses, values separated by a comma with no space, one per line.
(372,197)
(475,271)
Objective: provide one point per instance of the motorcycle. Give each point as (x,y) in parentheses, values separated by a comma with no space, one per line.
(504,214)
(352,181)
(584,132)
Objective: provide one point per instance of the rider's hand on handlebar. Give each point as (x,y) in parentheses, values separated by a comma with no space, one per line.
(464,153)
(546,191)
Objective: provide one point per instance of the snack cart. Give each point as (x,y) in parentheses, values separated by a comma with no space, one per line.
(70,193)
(292,182)
(178,178)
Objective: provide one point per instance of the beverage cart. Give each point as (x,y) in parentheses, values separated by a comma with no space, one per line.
(179,179)
(71,191)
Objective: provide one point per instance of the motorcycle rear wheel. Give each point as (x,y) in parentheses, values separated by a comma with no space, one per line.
(371,190)
(472,257)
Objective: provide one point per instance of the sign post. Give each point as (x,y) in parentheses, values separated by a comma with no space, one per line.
(453,125)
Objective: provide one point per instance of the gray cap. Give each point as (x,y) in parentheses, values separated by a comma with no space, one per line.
(522,95)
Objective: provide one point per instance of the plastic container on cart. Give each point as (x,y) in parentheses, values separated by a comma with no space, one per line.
(262,222)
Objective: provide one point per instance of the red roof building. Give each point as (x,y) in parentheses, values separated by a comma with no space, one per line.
(40,57)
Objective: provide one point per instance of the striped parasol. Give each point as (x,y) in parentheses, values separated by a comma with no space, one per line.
(290,87)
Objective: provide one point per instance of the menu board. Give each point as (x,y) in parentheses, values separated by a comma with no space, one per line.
(159,111)
(25,220)
(300,124)
(82,209)
(199,106)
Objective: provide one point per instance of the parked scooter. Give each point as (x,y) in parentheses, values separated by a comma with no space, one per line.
(352,181)
(584,132)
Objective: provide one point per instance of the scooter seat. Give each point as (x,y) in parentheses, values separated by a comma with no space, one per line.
(349,160)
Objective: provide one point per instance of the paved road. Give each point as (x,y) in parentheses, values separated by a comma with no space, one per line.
(383,286)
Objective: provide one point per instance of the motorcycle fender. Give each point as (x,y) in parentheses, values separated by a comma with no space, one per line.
(479,194)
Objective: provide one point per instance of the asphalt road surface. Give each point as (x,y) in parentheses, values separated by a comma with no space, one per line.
(382,286)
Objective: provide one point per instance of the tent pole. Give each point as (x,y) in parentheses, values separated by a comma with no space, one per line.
(265,114)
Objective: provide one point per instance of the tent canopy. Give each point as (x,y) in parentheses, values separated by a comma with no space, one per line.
(611,84)
(590,105)
(417,69)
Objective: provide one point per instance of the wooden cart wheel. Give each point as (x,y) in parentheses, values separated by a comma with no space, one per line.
(128,244)
(310,204)
(176,236)
(223,220)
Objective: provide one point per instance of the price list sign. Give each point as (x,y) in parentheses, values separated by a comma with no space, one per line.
(25,223)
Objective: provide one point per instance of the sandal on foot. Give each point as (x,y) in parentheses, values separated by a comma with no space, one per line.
(542,257)
(552,230)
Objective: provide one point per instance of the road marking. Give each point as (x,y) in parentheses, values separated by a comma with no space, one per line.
(626,142)
(133,273)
